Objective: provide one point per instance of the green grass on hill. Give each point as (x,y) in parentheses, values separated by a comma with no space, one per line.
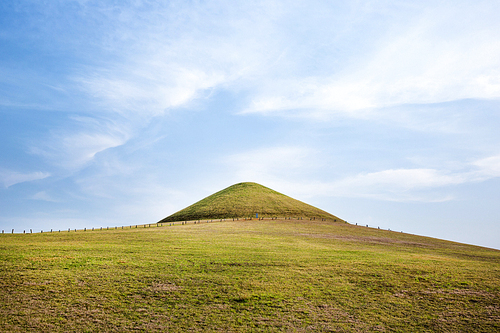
(246,276)
(247,200)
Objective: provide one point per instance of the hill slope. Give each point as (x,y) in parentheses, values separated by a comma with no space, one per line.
(247,200)
(246,276)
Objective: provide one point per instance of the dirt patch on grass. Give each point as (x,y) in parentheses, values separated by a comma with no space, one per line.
(160,286)
(43,259)
(450,293)
(219,306)
(34,283)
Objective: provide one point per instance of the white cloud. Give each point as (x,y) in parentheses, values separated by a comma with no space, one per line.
(43,196)
(151,90)
(489,167)
(162,57)
(9,178)
(89,144)
(167,54)
(440,54)
(410,184)
(289,169)
(77,144)
(396,185)
(388,185)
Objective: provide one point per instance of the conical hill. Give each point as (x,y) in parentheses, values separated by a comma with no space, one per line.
(246,200)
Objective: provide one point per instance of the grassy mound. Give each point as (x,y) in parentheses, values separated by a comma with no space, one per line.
(246,276)
(247,200)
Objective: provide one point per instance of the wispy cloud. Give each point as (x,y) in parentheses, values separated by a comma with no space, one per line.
(414,184)
(162,57)
(73,146)
(150,91)
(9,178)
(441,54)
(291,170)
(428,185)
(166,56)
(43,196)
(397,185)
(489,167)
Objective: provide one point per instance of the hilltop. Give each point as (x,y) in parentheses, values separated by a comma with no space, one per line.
(247,200)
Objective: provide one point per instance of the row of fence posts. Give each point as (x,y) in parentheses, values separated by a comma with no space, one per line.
(101,228)
(389,229)
(173,223)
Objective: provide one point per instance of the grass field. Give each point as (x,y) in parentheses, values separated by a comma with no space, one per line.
(247,275)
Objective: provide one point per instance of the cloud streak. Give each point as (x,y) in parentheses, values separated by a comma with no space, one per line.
(412,184)
(278,165)
(439,55)
(165,57)
(9,178)
(74,146)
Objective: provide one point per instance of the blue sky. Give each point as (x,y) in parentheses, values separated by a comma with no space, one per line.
(381,112)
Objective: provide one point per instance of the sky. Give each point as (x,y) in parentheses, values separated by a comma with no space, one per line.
(384,113)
